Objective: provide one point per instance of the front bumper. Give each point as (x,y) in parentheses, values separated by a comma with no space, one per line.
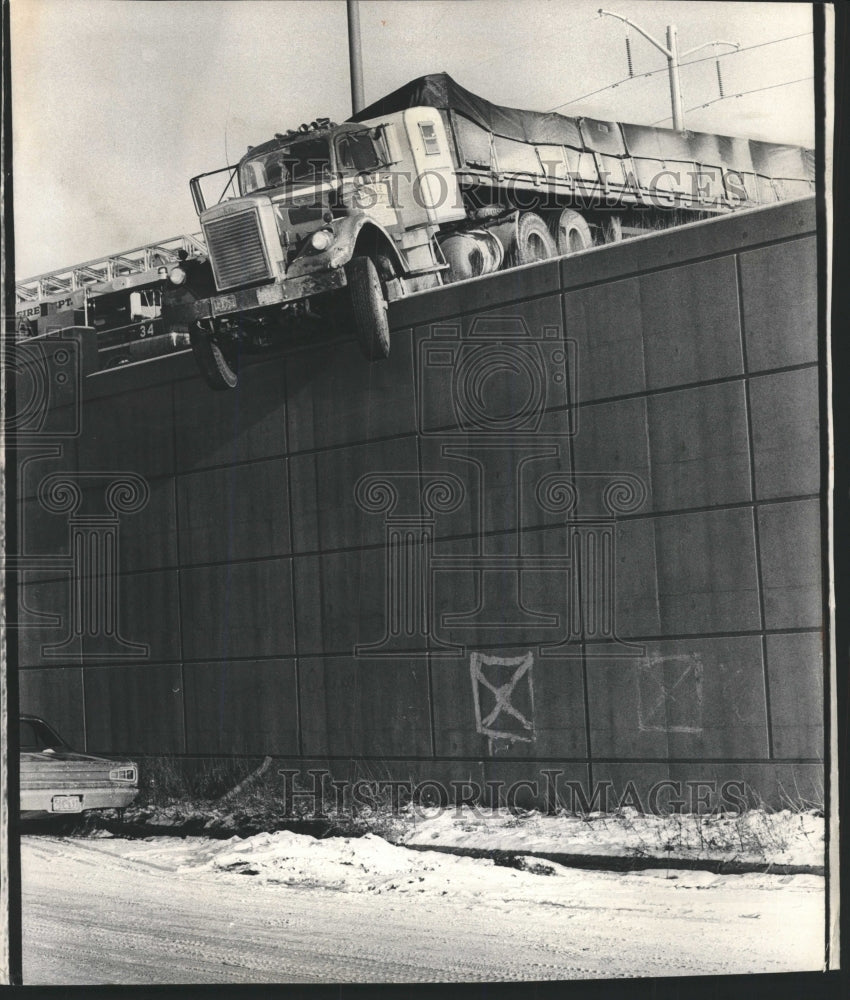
(249,299)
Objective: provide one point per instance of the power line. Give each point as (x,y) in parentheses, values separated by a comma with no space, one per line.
(743,93)
(692,62)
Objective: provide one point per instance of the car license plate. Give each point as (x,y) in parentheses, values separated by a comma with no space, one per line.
(67,803)
(224,303)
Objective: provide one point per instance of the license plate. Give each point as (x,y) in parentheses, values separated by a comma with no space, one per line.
(224,303)
(67,803)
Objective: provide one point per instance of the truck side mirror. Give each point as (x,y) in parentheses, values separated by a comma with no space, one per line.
(391,142)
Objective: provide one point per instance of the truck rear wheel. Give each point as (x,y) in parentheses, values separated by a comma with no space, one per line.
(533,240)
(218,366)
(572,232)
(369,307)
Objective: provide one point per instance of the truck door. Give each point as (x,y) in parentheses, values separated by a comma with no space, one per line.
(435,185)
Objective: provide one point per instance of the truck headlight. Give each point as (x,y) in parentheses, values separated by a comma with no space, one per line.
(123,774)
(321,239)
(177,276)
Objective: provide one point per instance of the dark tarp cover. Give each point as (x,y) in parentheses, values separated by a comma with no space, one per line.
(439,90)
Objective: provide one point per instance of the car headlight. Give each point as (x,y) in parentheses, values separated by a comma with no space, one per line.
(123,774)
(321,239)
(177,276)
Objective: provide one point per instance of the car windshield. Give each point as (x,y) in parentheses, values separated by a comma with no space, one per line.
(36,735)
(304,162)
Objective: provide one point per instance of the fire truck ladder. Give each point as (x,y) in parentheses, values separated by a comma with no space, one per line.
(94,272)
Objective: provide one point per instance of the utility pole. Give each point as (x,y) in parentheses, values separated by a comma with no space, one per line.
(355,58)
(671,51)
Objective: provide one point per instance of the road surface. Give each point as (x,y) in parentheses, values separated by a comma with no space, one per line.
(165,910)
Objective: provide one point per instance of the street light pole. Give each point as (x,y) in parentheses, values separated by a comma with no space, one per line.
(675,83)
(355,59)
(671,51)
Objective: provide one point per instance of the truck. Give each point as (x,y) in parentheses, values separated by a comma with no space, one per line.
(119,297)
(431,185)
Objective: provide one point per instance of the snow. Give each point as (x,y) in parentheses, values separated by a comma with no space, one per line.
(755,836)
(288,907)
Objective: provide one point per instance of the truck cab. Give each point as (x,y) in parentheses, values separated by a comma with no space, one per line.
(306,215)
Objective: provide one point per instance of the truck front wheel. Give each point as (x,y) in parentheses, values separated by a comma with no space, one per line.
(218,365)
(369,307)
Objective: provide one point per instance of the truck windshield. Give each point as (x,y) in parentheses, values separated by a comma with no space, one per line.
(304,162)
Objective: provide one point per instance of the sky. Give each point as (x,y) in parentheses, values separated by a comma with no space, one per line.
(117,103)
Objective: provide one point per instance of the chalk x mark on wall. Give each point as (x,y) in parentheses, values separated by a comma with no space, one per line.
(503,719)
(670,694)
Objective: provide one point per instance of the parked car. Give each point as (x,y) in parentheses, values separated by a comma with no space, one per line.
(58,779)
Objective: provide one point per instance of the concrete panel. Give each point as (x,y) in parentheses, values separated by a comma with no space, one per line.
(117,438)
(525,784)
(795,673)
(336,397)
(34,462)
(771,784)
(700,452)
(352,706)
(780,297)
(240,609)
(241,512)
(147,617)
(613,438)
(707,572)
(341,602)
(35,600)
(636,576)
(148,538)
(498,484)
(477,295)
(791,556)
(786,433)
(605,320)
(241,707)
(691,331)
(685,698)
(506,604)
(549,696)
(644,786)
(134,709)
(56,695)
(227,428)
(325,514)
(696,241)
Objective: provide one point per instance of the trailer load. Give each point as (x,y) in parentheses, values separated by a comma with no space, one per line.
(430,185)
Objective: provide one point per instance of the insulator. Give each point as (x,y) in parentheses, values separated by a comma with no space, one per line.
(629,55)
(719,78)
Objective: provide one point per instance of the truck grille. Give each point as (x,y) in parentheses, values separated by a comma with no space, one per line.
(236,250)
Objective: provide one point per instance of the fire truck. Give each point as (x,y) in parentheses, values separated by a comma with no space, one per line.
(430,185)
(119,296)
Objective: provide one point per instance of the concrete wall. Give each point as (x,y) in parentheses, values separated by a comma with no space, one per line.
(681,366)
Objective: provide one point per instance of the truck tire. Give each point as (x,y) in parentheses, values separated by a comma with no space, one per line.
(533,241)
(369,308)
(219,368)
(571,232)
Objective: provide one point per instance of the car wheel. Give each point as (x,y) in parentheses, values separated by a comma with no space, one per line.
(218,365)
(369,307)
